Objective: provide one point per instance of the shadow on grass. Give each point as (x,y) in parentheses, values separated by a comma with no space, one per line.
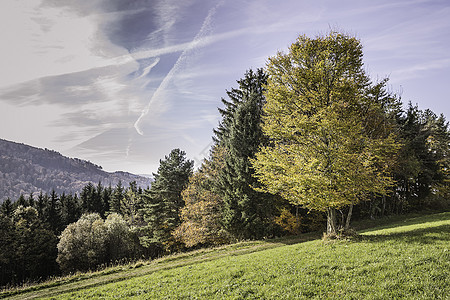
(296,239)
(421,235)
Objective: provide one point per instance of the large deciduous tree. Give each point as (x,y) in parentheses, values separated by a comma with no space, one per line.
(318,115)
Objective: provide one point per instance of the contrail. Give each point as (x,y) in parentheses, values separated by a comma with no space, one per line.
(149,68)
(196,43)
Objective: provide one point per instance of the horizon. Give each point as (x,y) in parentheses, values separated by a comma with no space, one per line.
(122,83)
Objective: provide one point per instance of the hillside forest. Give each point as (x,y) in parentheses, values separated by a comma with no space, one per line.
(25,169)
(307,143)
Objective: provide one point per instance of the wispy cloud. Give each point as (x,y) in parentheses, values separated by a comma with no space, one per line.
(157,102)
(89,76)
(419,69)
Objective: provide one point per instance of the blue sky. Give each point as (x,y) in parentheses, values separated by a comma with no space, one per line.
(122,82)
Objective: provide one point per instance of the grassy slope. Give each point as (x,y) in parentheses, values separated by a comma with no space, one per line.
(410,259)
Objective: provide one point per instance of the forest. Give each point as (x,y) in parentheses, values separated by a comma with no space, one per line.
(25,169)
(307,143)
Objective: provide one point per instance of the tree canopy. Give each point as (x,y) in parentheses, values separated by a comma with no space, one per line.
(322,153)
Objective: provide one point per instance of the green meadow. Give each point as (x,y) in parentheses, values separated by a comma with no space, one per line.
(405,259)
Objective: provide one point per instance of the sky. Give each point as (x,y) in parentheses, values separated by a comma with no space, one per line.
(121,83)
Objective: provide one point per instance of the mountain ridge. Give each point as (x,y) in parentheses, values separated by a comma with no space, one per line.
(26,169)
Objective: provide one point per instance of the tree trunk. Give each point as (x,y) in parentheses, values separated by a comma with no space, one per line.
(331,220)
(349,216)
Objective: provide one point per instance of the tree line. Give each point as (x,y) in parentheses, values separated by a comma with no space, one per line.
(26,169)
(308,143)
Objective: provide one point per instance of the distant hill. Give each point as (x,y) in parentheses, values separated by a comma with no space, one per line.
(25,169)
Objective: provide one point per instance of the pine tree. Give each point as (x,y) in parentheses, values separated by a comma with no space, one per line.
(162,203)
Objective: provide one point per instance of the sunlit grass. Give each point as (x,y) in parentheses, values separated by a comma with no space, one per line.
(409,260)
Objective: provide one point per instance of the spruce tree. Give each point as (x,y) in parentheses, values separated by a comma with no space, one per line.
(8,247)
(116,199)
(423,162)
(7,207)
(252,83)
(246,212)
(70,209)
(53,213)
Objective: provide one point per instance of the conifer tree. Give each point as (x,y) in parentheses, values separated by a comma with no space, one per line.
(7,207)
(41,205)
(70,209)
(423,161)
(35,245)
(8,248)
(116,198)
(22,201)
(30,199)
(53,213)
(131,204)
(162,203)
(252,83)
(246,213)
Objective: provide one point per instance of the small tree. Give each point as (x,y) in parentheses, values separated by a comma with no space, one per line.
(116,199)
(119,241)
(8,247)
(82,245)
(35,245)
(163,202)
(201,216)
(131,204)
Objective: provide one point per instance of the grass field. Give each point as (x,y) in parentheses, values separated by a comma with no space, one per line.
(409,259)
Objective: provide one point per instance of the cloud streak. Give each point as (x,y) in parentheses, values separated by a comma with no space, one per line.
(89,76)
(156,101)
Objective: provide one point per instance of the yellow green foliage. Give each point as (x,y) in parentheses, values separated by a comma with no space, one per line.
(201,214)
(288,222)
(320,120)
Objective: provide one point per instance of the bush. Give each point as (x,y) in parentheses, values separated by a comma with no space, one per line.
(82,244)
